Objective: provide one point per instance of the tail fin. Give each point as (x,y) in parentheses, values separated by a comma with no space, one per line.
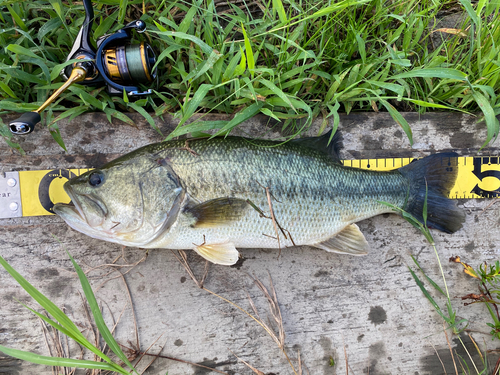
(435,174)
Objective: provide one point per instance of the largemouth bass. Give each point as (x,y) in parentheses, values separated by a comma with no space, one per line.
(217,195)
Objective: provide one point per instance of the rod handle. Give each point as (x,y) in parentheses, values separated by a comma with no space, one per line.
(24,124)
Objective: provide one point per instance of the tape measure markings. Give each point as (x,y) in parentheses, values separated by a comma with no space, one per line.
(33,193)
(40,189)
(478,177)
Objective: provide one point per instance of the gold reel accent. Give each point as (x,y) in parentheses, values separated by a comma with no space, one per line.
(111,64)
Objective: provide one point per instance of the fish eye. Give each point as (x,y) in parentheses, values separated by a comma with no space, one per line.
(96,178)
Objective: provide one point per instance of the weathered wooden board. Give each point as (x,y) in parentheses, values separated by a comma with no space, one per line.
(368,309)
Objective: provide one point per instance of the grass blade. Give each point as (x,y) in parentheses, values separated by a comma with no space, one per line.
(489,116)
(427,294)
(437,287)
(268,113)
(361,47)
(433,73)
(398,89)
(399,119)
(105,25)
(198,127)
(204,46)
(248,51)
(193,103)
(54,311)
(122,11)
(278,6)
(56,361)
(423,103)
(337,7)
(16,18)
(56,134)
(7,137)
(244,115)
(146,115)
(119,115)
(470,11)
(277,92)
(96,312)
(203,67)
(20,50)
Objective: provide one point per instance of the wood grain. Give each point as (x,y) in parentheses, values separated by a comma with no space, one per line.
(369,307)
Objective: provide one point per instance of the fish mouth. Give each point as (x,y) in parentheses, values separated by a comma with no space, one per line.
(68,212)
(73,212)
(71,209)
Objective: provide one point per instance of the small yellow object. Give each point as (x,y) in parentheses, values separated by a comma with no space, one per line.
(467,269)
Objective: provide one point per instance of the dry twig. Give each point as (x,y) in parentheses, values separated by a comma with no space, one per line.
(183,260)
(136,352)
(345,356)
(143,354)
(451,351)
(256,371)
(461,364)
(275,311)
(272,300)
(155,357)
(497,367)
(439,357)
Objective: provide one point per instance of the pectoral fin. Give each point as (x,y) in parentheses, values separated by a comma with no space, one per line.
(221,253)
(217,212)
(349,241)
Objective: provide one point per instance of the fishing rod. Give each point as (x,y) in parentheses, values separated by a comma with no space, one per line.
(117,63)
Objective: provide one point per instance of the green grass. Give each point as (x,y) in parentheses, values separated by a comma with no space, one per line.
(488,277)
(61,322)
(448,314)
(488,280)
(292,60)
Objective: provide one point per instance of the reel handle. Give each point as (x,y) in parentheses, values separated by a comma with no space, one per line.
(26,123)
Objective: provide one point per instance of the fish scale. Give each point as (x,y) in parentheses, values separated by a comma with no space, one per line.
(312,196)
(216,195)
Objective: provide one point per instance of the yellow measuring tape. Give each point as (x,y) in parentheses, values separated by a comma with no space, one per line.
(478,177)
(41,189)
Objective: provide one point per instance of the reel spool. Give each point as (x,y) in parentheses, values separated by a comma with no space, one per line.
(117,64)
(130,63)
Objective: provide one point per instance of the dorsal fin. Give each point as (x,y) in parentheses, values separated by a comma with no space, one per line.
(323,144)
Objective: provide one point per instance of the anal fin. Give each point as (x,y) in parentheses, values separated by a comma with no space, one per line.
(348,241)
(220,253)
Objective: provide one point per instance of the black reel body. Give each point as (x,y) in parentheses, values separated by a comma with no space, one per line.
(117,63)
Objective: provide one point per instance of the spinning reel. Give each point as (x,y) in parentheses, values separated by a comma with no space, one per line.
(116,63)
